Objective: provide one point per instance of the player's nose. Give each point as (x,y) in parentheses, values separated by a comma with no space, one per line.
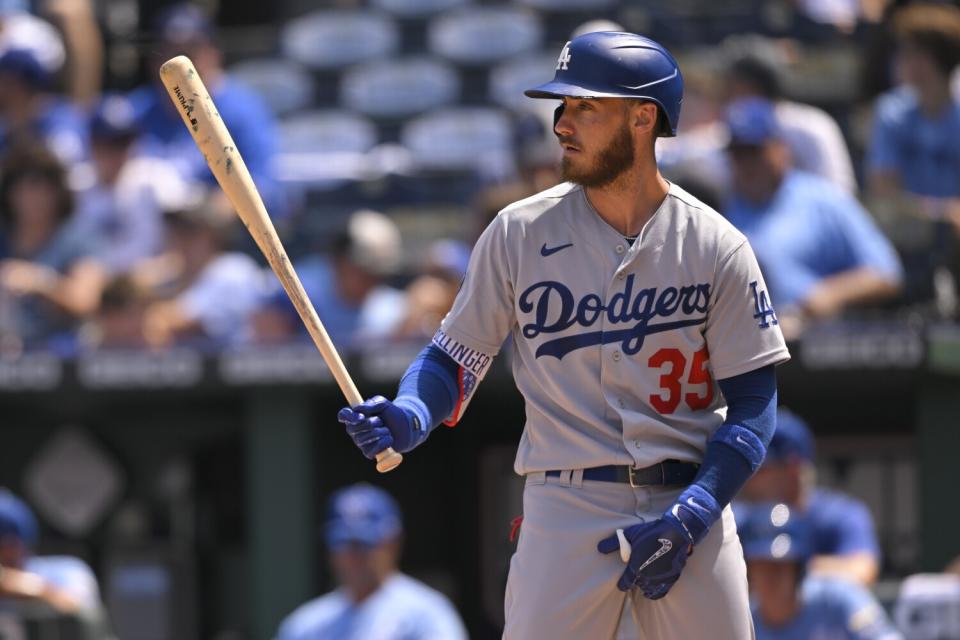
(562,125)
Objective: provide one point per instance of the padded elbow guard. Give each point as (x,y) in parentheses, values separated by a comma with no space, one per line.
(743,441)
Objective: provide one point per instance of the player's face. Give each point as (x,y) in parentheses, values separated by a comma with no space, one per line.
(597,142)
(915,67)
(13,553)
(758,169)
(362,568)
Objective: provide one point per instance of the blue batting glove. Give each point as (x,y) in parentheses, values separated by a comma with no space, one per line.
(658,553)
(659,549)
(377,423)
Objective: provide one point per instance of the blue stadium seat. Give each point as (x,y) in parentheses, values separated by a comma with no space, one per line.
(509,79)
(481,36)
(324,146)
(284,85)
(417,8)
(460,139)
(334,39)
(399,88)
(327,131)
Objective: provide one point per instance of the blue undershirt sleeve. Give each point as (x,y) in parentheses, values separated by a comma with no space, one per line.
(429,390)
(751,405)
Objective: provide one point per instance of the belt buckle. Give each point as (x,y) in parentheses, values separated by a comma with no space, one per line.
(632,477)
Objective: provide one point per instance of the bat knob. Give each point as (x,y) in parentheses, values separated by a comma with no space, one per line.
(624,546)
(388,460)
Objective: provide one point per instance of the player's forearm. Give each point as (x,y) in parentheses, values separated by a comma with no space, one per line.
(738,446)
(429,391)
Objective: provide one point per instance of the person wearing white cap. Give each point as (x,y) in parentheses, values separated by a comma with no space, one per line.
(348,287)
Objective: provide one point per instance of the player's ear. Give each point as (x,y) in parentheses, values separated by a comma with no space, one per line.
(644,115)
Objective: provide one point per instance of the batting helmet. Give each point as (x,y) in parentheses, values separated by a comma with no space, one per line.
(613,64)
(774,532)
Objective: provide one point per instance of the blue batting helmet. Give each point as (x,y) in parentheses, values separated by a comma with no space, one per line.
(774,532)
(362,514)
(613,64)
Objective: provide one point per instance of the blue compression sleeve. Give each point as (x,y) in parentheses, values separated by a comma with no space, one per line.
(429,390)
(752,406)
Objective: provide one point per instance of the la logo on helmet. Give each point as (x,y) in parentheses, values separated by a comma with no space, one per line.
(564,58)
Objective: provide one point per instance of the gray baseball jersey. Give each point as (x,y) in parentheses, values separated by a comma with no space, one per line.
(616,346)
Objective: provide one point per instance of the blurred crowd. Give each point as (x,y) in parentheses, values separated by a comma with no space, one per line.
(114,235)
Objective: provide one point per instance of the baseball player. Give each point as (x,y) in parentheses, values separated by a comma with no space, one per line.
(374,601)
(644,344)
(778,543)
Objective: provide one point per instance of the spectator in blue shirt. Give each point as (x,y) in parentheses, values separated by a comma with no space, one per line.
(819,249)
(49,277)
(843,538)
(184,29)
(913,162)
(30,111)
(913,147)
(348,287)
(789,605)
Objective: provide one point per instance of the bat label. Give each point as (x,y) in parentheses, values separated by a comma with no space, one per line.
(188,107)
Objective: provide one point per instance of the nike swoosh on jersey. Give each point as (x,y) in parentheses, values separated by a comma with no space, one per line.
(549,251)
(650,84)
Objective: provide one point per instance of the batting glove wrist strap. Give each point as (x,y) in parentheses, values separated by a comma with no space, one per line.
(694,513)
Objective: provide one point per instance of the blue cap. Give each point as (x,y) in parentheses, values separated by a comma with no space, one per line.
(773,532)
(114,118)
(26,65)
(752,122)
(16,519)
(183,23)
(362,514)
(792,438)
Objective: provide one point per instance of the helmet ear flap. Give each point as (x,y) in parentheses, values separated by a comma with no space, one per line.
(557,114)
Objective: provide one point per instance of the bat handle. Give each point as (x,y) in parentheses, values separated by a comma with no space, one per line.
(388,460)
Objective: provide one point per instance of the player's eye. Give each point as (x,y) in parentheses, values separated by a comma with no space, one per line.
(583,105)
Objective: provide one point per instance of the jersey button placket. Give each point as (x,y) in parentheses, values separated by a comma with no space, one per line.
(616,356)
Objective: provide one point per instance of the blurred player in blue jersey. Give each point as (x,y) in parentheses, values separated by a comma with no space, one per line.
(788,605)
(844,541)
(374,601)
(64,583)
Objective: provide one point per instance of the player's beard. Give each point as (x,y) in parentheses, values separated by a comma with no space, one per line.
(612,161)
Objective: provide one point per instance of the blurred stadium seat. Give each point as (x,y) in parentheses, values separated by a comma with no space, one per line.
(284,85)
(327,131)
(417,8)
(509,79)
(569,5)
(459,139)
(334,39)
(318,146)
(399,88)
(480,36)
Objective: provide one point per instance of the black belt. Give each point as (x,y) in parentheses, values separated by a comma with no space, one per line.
(666,473)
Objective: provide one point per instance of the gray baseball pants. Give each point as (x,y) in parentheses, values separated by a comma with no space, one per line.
(561,588)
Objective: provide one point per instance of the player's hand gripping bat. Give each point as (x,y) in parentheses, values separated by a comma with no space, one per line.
(195,106)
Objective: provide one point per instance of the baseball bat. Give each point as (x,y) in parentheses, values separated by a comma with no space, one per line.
(209,132)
